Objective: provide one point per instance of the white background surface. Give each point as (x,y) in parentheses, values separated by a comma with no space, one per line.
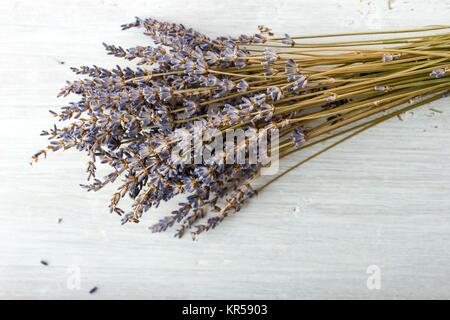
(381,199)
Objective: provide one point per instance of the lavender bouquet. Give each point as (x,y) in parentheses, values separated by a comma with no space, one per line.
(157,126)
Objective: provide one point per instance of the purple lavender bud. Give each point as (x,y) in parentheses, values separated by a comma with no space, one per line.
(438,73)
(274,93)
(229,54)
(268,70)
(389,57)
(298,137)
(291,67)
(258,38)
(212,58)
(270,56)
(258,99)
(239,64)
(244,39)
(214,117)
(380,88)
(300,82)
(212,80)
(150,95)
(201,67)
(165,93)
(191,107)
(242,86)
(288,40)
(228,85)
(267,111)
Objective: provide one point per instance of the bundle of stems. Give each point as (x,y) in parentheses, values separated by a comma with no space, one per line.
(308,89)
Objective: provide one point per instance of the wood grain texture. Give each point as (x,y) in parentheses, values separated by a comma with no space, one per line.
(380,199)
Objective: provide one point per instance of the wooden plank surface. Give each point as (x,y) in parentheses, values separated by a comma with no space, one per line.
(376,206)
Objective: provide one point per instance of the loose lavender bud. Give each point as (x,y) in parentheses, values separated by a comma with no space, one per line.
(264,29)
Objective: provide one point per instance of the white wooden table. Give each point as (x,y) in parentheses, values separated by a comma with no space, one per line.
(379,203)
